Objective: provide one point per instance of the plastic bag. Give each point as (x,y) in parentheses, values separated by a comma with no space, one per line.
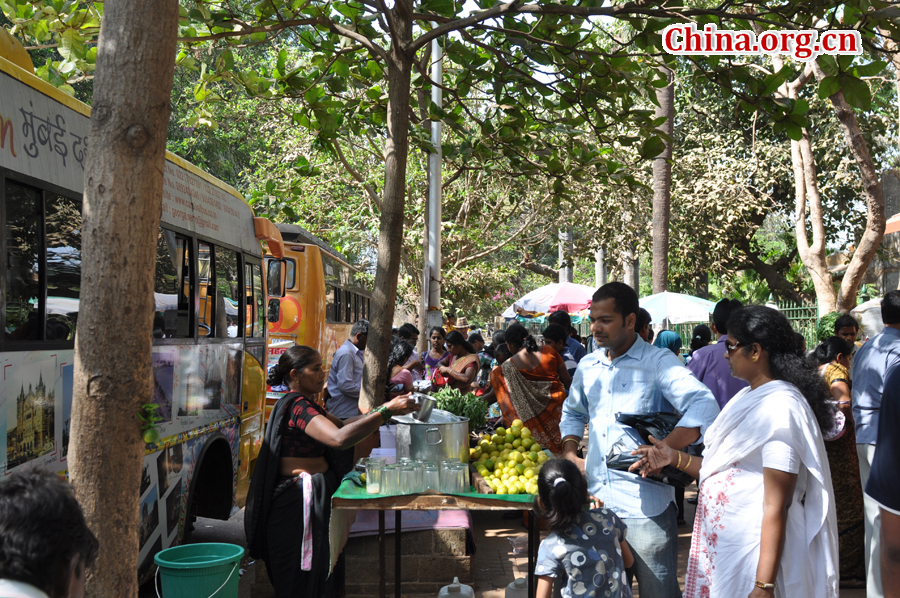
(659,425)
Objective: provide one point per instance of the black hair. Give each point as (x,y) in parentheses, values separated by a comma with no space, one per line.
(360,327)
(42,527)
(295,358)
(556,332)
(845,321)
(475,337)
(450,314)
(624,297)
(650,336)
(519,336)
(890,308)
(772,331)
(502,352)
(456,338)
(407,331)
(643,319)
(399,354)
(395,331)
(722,311)
(439,330)
(561,502)
(800,344)
(829,349)
(560,317)
(499,337)
(700,337)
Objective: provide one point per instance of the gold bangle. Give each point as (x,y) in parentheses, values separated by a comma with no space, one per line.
(688,464)
(679,461)
(765,586)
(571,437)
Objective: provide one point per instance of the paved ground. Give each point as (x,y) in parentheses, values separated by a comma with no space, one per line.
(494,565)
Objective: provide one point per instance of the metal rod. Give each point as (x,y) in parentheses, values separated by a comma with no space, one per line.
(432,290)
(382,589)
(397,553)
(530,570)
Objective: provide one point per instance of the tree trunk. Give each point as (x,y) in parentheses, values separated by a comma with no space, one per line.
(390,232)
(600,273)
(875,219)
(566,271)
(662,187)
(630,268)
(122,203)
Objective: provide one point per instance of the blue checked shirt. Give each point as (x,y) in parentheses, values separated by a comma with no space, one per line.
(646,379)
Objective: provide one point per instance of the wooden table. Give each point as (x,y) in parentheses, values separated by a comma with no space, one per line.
(434,502)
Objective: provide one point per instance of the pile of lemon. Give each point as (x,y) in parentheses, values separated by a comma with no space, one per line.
(509,460)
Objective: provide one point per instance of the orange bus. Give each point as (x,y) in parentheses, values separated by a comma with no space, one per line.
(323,296)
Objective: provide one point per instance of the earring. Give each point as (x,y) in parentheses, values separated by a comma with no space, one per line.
(754,358)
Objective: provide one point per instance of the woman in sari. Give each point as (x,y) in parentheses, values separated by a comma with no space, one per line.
(531,386)
(463,366)
(289,502)
(400,379)
(832,357)
(436,355)
(765,523)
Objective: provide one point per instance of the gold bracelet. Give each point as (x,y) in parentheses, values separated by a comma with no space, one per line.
(573,438)
(765,586)
(679,461)
(689,462)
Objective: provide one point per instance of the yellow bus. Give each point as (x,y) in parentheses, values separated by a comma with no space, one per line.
(209,332)
(323,296)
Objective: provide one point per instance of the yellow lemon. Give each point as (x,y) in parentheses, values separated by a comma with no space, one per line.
(529,472)
(515,431)
(519,457)
(489,464)
(526,441)
(500,489)
(528,463)
(526,433)
(520,468)
(517,443)
(536,447)
(517,423)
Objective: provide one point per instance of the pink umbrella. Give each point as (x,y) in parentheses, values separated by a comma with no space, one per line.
(565,296)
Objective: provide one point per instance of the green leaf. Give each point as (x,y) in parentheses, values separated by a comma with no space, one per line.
(871,69)
(341,68)
(801,106)
(282,59)
(375,70)
(71,46)
(652,147)
(856,92)
(828,87)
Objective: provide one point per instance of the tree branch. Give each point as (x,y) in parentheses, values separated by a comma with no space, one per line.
(355,174)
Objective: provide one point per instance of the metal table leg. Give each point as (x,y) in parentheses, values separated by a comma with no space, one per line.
(397,553)
(382,590)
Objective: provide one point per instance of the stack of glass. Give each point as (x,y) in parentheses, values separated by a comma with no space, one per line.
(432,477)
(408,483)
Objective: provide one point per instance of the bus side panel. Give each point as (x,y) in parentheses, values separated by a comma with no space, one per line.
(253,394)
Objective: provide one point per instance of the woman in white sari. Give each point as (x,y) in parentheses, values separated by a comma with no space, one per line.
(765,523)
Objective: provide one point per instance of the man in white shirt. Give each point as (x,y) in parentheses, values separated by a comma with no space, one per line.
(45,544)
(345,382)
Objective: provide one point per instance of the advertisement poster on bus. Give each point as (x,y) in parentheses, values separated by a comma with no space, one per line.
(276,349)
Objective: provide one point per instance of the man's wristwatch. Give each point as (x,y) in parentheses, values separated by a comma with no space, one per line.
(765,586)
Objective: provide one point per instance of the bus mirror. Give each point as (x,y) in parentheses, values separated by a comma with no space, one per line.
(275,272)
(274,310)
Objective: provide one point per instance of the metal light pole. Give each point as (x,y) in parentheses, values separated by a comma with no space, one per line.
(431,290)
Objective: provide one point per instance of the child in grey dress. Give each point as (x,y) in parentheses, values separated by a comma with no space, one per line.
(586,546)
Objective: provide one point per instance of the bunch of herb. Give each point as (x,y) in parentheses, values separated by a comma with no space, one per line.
(464,405)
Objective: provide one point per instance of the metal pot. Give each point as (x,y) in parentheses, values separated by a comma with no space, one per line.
(444,436)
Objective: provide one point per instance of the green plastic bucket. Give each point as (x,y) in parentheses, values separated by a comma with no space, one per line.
(199,570)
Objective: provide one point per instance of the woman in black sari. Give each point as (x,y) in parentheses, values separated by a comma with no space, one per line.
(289,504)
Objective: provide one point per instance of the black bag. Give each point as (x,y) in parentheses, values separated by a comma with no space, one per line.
(658,425)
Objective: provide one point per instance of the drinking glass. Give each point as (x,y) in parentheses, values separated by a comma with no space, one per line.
(390,480)
(407,479)
(374,469)
(432,477)
(420,476)
(448,480)
(462,477)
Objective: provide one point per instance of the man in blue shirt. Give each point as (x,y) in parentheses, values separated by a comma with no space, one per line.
(870,364)
(345,381)
(709,364)
(628,375)
(563,319)
(883,486)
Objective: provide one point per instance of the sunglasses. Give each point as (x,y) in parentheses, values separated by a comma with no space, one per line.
(732,348)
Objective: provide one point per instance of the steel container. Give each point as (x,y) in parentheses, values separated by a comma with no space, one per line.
(445,435)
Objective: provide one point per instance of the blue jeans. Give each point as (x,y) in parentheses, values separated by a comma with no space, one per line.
(654,544)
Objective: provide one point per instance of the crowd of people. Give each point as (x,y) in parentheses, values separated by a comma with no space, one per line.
(795,453)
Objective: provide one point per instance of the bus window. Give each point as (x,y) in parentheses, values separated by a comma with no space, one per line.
(347,307)
(172,286)
(63,232)
(23,251)
(228,296)
(290,273)
(204,276)
(338,305)
(259,302)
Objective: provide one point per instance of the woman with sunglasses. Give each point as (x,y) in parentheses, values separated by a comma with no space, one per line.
(765,523)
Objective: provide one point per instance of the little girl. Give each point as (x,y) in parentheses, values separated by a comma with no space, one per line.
(587,546)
